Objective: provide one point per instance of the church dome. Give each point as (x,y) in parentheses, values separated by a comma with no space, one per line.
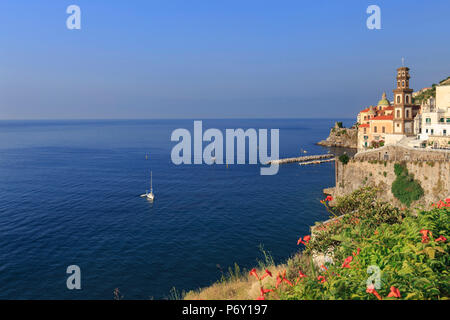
(384,101)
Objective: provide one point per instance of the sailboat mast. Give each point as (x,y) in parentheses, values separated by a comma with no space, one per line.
(151,182)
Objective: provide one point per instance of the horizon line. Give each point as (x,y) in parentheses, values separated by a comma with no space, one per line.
(193,118)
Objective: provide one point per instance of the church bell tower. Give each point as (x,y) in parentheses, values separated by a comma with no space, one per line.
(403,106)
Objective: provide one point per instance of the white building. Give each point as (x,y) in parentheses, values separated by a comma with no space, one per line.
(434,119)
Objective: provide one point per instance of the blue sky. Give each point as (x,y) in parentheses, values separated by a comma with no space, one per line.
(213,58)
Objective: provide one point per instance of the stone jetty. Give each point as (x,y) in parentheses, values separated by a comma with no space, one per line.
(316,161)
(310,159)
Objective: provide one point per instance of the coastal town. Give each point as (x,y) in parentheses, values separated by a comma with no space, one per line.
(412,130)
(407,120)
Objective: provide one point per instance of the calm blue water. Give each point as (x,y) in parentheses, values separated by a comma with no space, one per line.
(69,194)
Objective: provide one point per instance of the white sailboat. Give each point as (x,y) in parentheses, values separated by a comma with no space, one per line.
(149,195)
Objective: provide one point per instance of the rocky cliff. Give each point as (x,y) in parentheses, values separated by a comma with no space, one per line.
(341,137)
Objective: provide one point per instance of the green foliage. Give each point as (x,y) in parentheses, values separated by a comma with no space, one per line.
(404,187)
(389,239)
(399,169)
(267,261)
(339,124)
(344,158)
(423,96)
(360,198)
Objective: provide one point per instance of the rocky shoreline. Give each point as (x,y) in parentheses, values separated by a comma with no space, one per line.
(341,137)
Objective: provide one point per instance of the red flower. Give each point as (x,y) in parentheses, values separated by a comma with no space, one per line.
(347,261)
(279,281)
(268,273)
(304,241)
(394,292)
(329,198)
(357,252)
(425,237)
(253,273)
(323,267)
(321,279)
(442,204)
(286,280)
(263,292)
(371,289)
(301,275)
(441,238)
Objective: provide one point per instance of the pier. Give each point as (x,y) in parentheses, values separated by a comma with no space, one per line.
(305,159)
(316,161)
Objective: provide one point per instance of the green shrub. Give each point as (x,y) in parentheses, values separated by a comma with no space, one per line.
(389,239)
(404,187)
(344,158)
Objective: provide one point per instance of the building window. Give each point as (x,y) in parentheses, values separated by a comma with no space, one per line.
(398,99)
(407,99)
(375,129)
(448,120)
(398,113)
(383,129)
(403,84)
(432,131)
(445,132)
(441,120)
(426,130)
(365,129)
(407,113)
(428,120)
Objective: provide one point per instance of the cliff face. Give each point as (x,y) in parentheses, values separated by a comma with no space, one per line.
(430,169)
(341,137)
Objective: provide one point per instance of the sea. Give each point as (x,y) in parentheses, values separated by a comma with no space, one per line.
(70,195)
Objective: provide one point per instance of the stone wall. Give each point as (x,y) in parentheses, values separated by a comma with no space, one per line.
(402,153)
(433,175)
(439,141)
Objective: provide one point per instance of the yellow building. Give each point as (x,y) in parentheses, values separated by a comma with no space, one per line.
(375,123)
